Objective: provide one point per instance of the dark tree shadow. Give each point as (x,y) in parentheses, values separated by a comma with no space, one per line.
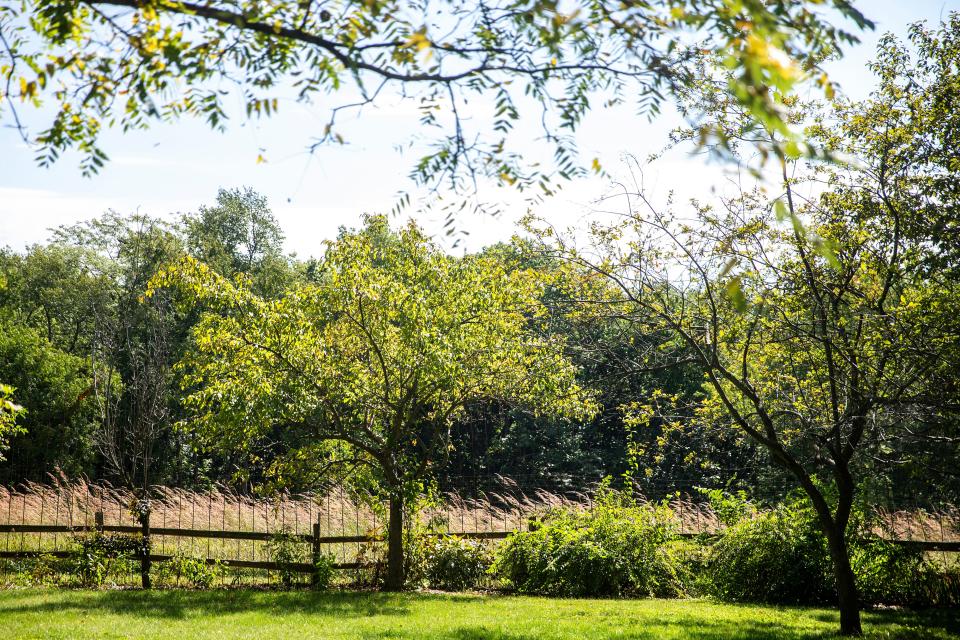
(178,604)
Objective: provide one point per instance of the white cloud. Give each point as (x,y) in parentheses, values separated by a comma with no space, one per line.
(27,215)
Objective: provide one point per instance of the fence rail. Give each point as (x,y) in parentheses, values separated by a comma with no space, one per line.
(315,540)
(239,531)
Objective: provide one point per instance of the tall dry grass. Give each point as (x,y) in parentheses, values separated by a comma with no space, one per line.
(338,512)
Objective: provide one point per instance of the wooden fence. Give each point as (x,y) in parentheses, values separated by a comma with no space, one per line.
(237,531)
(315,540)
(146,557)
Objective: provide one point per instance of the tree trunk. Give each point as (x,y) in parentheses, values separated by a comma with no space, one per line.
(835,529)
(395,577)
(848,599)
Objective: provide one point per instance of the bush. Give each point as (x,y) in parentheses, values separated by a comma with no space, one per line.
(194,571)
(886,572)
(454,564)
(285,549)
(894,574)
(781,557)
(617,547)
(102,555)
(323,567)
(777,557)
(729,508)
(44,569)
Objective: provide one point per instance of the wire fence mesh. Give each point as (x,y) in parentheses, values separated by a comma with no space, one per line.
(499,506)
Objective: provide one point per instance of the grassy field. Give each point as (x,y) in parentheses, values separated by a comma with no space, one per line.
(185,615)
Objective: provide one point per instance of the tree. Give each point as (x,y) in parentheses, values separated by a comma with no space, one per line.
(367,369)
(56,431)
(820,327)
(240,235)
(131,62)
(493,439)
(133,345)
(58,290)
(9,411)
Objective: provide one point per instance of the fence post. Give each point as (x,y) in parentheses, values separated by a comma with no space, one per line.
(144,513)
(316,550)
(98,521)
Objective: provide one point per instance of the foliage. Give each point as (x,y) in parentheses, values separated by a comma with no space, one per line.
(367,369)
(454,563)
(100,556)
(889,573)
(812,320)
(323,571)
(138,62)
(902,575)
(616,547)
(56,430)
(730,508)
(498,439)
(286,548)
(78,296)
(196,572)
(133,344)
(59,290)
(42,570)
(779,556)
(239,235)
(9,411)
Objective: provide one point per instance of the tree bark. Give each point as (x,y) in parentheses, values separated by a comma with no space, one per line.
(834,527)
(848,600)
(395,577)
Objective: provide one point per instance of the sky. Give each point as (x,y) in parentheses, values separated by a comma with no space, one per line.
(173,168)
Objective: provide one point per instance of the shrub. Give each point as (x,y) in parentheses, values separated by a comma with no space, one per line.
(102,555)
(730,508)
(323,567)
(895,574)
(43,569)
(286,549)
(455,564)
(886,572)
(779,557)
(194,571)
(617,547)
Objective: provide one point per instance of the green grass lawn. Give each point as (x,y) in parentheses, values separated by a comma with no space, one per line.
(185,615)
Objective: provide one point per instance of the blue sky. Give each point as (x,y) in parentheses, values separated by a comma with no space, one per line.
(178,167)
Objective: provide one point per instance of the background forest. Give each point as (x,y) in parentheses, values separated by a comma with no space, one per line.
(91,363)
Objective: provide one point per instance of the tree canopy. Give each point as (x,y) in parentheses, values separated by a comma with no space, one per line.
(61,416)
(369,367)
(101,63)
(9,410)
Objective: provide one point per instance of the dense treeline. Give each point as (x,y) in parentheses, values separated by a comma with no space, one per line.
(91,360)
(92,363)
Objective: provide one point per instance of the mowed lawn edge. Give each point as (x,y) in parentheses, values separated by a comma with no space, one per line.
(184,615)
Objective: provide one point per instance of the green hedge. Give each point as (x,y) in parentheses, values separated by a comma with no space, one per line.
(781,557)
(617,547)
